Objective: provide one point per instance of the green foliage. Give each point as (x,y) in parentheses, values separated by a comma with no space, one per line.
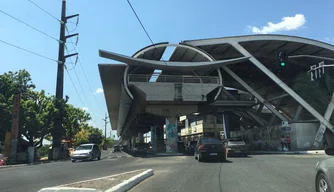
(43,151)
(38,112)
(110,142)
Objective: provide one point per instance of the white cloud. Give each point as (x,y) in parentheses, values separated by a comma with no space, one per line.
(98,90)
(327,39)
(287,24)
(85,108)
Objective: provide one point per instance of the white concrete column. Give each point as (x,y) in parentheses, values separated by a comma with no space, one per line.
(154,138)
(140,137)
(133,141)
(171,135)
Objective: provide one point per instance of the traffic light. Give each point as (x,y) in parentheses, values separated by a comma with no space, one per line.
(281,60)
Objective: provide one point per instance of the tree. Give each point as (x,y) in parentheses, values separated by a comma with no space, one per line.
(11,83)
(81,137)
(73,119)
(37,116)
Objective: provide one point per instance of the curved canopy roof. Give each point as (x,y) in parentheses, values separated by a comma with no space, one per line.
(262,47)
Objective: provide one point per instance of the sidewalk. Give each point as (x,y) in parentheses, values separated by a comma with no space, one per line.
(313,152)
(34,163)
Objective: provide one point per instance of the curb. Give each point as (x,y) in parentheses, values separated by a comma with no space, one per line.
(130,183)
(35,163)
(320,152)
(122,187)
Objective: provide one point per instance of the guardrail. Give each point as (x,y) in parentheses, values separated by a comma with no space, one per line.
(173,79)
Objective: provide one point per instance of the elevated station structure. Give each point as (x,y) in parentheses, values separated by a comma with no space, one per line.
(194,78)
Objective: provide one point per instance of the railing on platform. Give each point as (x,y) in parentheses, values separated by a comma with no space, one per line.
(173,79)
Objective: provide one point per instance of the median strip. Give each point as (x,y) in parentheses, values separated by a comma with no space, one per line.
(114,183)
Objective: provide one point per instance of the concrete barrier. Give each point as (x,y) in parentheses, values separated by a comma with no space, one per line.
(130,183)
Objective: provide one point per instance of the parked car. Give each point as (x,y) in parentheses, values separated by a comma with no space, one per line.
(210,148)
(325,173)
(142,148)
(190,148)
(86,152)
(116,148)
(236,146)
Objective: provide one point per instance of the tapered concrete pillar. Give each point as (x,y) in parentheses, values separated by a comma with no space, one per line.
(171,135)
(160,144)
(133,141)
(140,137)
(154,138)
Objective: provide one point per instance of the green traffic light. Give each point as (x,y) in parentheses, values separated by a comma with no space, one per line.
(282,64)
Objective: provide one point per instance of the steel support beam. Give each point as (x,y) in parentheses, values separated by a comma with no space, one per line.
(272,119)
(257,119)
(280,83)
(250,90)
(278,97)
(322,128)
(297,113)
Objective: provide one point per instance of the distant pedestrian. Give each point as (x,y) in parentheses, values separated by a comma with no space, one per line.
(325,142)
(288,142)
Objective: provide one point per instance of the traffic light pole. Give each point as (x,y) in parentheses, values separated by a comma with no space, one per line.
(58,129)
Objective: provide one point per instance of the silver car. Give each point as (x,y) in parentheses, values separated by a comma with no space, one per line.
(86,152)
(324,179)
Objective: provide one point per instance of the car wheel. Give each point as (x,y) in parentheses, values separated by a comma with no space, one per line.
(322,184)
(99,158)
(245,155)
(195,156)
(73,161)
(200,159)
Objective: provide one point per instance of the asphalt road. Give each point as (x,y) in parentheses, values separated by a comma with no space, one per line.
(182,173)
(258,173)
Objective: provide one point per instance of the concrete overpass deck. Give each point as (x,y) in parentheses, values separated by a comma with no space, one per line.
(243,62)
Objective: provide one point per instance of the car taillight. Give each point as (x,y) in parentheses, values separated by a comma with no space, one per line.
(201,147)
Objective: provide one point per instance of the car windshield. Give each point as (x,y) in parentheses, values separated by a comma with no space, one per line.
(84,147)
(211,141)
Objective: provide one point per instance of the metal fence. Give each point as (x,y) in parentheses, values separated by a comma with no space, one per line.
(173,79)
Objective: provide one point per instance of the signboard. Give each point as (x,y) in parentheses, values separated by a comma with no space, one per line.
(15,125)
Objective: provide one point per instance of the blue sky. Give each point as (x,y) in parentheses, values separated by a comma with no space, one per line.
(111,25)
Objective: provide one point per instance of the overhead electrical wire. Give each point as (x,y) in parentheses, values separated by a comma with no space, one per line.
(75,88)
(142,25)
(29,25)
(26,50)
(91,89)
(45,11)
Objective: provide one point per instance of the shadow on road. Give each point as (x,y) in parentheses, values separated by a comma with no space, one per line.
(217,161)
(238,156)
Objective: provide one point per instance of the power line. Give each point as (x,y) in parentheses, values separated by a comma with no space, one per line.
(75,88)
(44,10)
(133,10)
(140,21)
(26,50)
(90,86)
(29,25)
